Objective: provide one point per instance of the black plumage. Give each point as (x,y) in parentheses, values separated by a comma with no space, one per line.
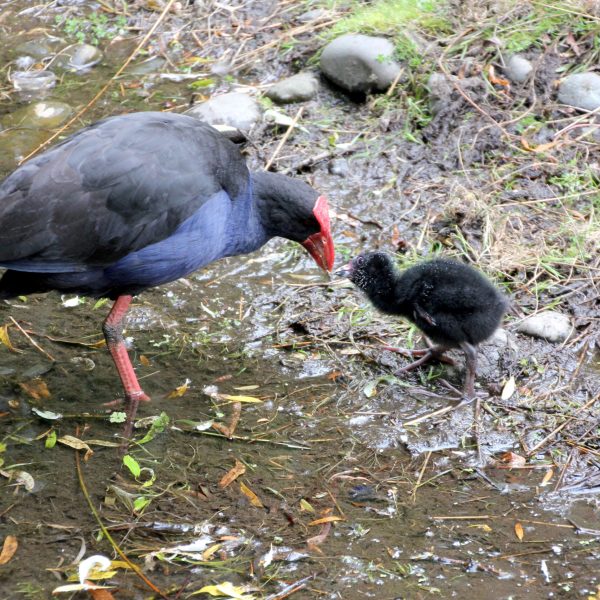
(452,303)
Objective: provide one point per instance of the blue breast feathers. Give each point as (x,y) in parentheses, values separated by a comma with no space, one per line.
(221,227)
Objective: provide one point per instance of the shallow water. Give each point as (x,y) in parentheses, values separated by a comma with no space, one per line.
(421,510)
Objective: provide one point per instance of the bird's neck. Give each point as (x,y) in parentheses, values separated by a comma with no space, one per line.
(247,232)
(389,294)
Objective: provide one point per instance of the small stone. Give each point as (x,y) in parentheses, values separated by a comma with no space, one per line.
(79,57)
(360,63)
(47,114)
(549,325)
(440,89)
(31,84)
(298,88)
(312,15)
(154,64)
(339,167)
(518,69)
(581,90)
(39,48)
(234,109)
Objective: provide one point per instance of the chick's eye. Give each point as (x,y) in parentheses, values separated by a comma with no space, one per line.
(359,261)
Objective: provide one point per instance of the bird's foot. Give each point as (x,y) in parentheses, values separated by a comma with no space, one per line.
(131,397)
(430,353)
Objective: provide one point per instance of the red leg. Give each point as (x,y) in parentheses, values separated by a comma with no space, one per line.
(113,333)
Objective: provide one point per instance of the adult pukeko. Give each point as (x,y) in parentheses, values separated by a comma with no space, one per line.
(452,303)
(138,200)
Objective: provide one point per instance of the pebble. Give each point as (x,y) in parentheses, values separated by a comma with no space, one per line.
(298,88)
(234,109)
(339,167)
(518,68)
(31,84)
(79,57)
(360,63)
(46,114)
(440,89)
(549,325)
(581,90)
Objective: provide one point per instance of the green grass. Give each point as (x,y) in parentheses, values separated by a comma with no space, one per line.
(391,16)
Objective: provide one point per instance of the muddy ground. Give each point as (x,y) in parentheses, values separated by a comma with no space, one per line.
(345,493)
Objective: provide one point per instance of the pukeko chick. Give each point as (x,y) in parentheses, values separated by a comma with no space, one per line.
(450,302)
(138,200)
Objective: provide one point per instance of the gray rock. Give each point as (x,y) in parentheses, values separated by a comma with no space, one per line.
(79,57)
(312,15)
(440,89)
(298,88)
(33,84)
(581,90)
(339,167)
(549,325)
(46,114)
(234,109)
(360,63)
(517,68)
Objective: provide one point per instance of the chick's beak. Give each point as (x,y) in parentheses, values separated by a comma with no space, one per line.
(320,244)
(344,271)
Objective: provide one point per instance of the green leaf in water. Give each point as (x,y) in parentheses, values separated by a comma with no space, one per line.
(51,439)
(132,465)
(118,417)
(158,426)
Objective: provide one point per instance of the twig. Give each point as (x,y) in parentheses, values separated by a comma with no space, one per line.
(105,87)
(283,140)
(38,347)
(288,590)
(420,478)
(437,413)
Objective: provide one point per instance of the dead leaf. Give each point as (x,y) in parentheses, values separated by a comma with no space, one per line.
(208,553)
(181,390)
(252,399)
(510,459)
(547,477)
(238,469)
(539,148)
(144,360)
(519,531)
(4,339)
(495,79)
(101,595)
(318,539)
(252,497)
(36,389)
(509,388)
(8,549)
(305,505)
(330,519)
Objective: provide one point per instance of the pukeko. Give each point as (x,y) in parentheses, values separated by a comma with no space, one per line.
(451,302)
(138,200)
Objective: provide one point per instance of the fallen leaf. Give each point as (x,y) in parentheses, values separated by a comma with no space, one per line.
(306,506)
(73,442)
(8,549)
(547,477)
(252,497)
(181,390)
(495,79)
(510,459)
(144,360)
(208,553)
(225,589)
(326,520)
(509,388)
(519,531)
(36,388)
(101,595)
(4,339)
(238,469)
(231,398)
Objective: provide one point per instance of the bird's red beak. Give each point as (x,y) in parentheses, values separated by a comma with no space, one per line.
(320,244)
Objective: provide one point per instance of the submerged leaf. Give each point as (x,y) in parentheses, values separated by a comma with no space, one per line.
(132,465)
(4,339)
(238,469)
(519,531)
(252,497)
(8,549)
(225,590)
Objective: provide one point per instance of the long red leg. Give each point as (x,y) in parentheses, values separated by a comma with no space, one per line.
(113,334)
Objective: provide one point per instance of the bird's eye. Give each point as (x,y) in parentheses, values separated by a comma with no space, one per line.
(359,261)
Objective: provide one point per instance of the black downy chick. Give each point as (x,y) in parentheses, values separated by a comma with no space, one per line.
(452,303)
